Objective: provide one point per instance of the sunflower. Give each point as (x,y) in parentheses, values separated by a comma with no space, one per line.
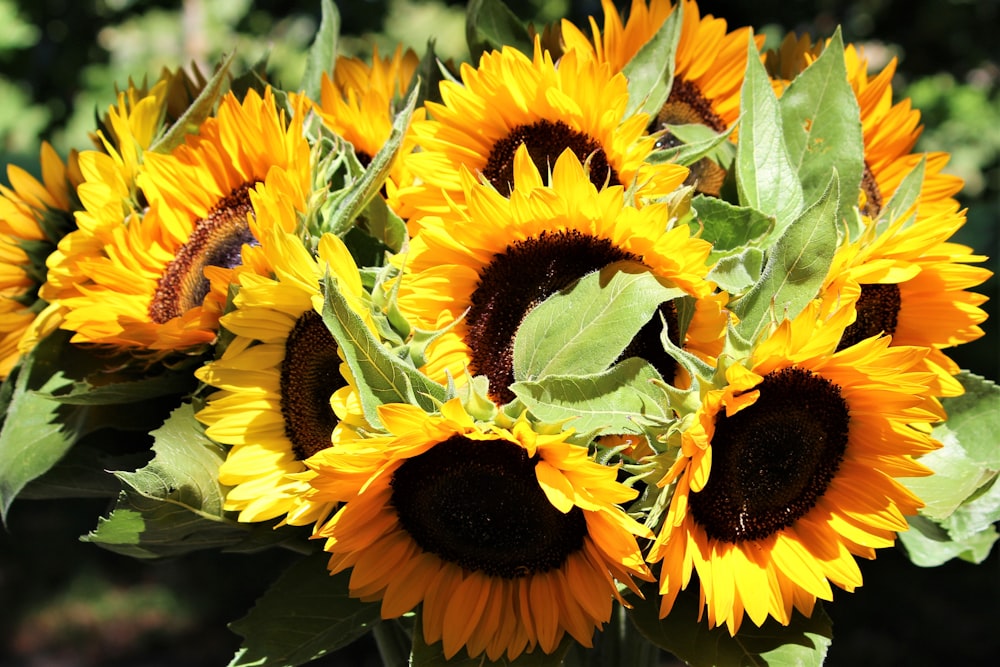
(500,256)
(709,66)
(890,130)
(140,280)
(359,103)
(509,535)
(284,391)
(33,215)
(786,472)
(107,191)
(510,100)
(912,284)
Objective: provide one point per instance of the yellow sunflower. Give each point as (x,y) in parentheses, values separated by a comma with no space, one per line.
(141,280)
(787,472)
(507,536)
(708,68)
(359,102)
(500,256)
(33,214)
(284,391)
(890,130)
(510,100)
(912,284)
(107,189)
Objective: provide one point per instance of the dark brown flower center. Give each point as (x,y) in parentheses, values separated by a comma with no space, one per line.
(546,140)
(873,196)
(878,312)
(215,241)
(773,460)
(477,503)
(310,374)
(686,105)
(524,275)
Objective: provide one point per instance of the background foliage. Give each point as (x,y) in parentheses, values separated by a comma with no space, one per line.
(60,61)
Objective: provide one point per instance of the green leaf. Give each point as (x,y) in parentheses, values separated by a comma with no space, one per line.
(976,514)
(796,267)
(974,417)
(584,329)
(822,129)
(613,401)
(927,544)
(84,472)
(323,51)
(698,141)
(617,644)
(432,655)
(123,390)
(344,210)
(382,377)
(956,477)
(765,177)
(803,642)
(428,77)
(37,431)
(904,198)
(491,25)
(200,109)
(383,225)
(305,614)
(172,505)
(968,458)
(729,227)
(650,72)
(737,273)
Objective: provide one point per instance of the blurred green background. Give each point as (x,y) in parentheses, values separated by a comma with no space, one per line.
(63,603)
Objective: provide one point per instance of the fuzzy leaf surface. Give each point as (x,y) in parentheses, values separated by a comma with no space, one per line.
(822,129)
(584,329)
(613,401)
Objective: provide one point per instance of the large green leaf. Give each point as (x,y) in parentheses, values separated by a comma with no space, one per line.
(130,389)
(38,430)
(969,457)
(172,505)
(927,544)
(955,478)
(795,269)
(803,642)
(650,72)
(766,180)
(975,418)
(323,51)
(491,25)
(962,497)
(305,614)
(585,328)
(432,655)
(613,401)
(84,472)
(382,377)
(822,129)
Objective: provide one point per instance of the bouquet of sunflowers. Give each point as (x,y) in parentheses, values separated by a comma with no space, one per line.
(625,337)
